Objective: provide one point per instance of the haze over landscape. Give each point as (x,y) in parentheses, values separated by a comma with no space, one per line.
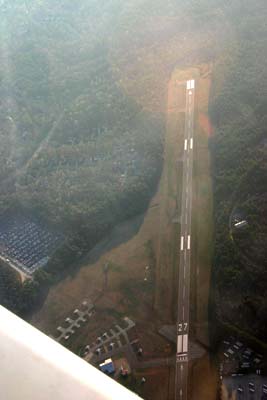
(133,181)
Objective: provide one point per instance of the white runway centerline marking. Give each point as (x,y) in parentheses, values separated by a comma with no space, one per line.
(185,144)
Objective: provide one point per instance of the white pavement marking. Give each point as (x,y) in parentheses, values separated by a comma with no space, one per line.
(190,84)
(188,242)
(179,344)
(184,291)
(182,242)
(185,343)
(184,271)
(183,312)
(191,143)
(185,144)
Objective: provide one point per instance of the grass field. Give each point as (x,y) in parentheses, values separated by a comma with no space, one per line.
(121,291)
(203,372)
(202,214)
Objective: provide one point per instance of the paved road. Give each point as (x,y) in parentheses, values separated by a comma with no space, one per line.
(185,243)
(251,387)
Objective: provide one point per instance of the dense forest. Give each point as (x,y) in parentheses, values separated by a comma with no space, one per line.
(239,149)
(77,151)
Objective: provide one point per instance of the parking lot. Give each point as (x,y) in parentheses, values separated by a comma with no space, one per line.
(74,321)
(241,370)
(26,243)
(109,342)
(237,357)
(247,387)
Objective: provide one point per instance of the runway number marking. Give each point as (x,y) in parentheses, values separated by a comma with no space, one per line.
(182,327)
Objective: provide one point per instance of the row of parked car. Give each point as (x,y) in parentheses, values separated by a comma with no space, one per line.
(26,243)
(246,357)
(251,388)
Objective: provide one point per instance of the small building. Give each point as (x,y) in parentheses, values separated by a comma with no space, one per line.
(107,366)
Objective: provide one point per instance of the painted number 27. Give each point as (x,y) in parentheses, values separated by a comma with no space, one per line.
(182,327)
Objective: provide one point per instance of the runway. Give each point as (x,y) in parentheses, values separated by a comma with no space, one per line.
(185,243)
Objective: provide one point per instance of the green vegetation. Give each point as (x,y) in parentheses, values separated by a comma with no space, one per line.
(238,112)
(17,297)
(76,150)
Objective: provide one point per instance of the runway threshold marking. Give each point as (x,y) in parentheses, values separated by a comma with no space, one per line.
(185,343)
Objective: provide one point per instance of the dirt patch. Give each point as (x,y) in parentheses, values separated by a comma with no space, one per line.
(204,378)
(205,124)
(159,383)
